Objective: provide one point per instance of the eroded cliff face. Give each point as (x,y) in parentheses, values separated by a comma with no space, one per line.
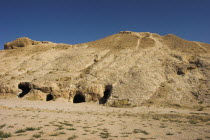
(127,68)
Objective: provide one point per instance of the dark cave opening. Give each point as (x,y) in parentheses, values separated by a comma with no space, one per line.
(79,98)
(107,94)
(25,87)
(49,97)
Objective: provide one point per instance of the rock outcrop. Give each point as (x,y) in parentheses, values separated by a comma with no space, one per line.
(123,69)
(23,42)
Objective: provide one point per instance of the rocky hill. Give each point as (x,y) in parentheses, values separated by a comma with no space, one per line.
(124,69)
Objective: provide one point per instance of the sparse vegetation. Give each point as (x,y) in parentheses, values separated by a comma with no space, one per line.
(31,128)
(58,133)
(104,134)
(66,123)
(2,126)
(121,103)
(200,108)
(62,132)
(21,134)
(20,131)
(27,129)
(60,128)
(140,131)
(193,121)
(71,129)
(72,137)
(4,135)
(36,135)
(169,133)
(54,134)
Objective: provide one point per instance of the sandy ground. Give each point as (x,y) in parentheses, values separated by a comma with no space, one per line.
(60,120)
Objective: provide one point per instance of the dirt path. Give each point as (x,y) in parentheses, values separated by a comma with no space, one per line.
(60,120)
(138,42)
(200,46)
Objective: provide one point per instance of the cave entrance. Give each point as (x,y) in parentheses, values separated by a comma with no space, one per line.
(49,97)
(107,94)
(25,87)
(79,98)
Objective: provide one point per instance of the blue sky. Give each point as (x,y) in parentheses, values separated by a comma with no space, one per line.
(79,21)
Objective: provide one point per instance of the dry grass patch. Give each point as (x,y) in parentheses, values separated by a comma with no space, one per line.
(140,131)
(169,133)
(72,137)
(27,129)
(104,135)
(4,135)
(58,133)
(2,126)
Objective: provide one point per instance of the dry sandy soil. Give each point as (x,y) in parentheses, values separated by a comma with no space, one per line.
(21,119)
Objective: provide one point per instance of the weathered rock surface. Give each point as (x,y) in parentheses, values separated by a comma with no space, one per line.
(22,42)
(128,68)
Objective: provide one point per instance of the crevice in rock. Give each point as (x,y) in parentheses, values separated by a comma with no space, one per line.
(180,71)
(79,98)
(107,94)
(25,87)
(49,97)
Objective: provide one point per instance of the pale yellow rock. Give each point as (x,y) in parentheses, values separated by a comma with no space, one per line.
(125,69)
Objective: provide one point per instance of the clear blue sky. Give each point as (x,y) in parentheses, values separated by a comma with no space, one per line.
(79,21)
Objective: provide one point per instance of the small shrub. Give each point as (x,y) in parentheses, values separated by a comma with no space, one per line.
(36,135)
(60,128)
(104,134)
(193,121)
(72,137)
(2,126)
(169,133)
(66,123)
(121,103)
(62,132)
(58,133)
(20,131)
(55,134)
(27,129)
(4,135)
(140,131)
(200,108)
(31,128)
(12,77)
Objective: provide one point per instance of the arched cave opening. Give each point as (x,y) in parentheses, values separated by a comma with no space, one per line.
(49,97)
(107,94)
(25,87)
(79,98)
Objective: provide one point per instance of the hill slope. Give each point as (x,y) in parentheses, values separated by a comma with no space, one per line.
(127,68)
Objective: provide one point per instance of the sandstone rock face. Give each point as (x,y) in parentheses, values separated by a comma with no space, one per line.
(128,68)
